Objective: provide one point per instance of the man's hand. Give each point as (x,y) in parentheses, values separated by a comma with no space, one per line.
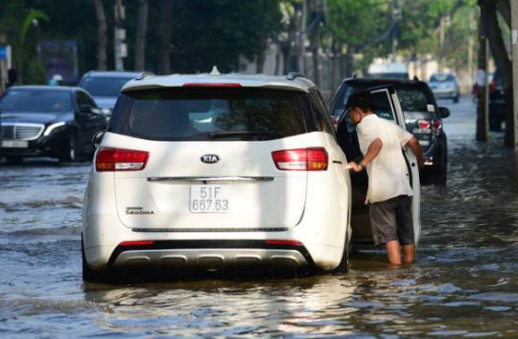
(355,167)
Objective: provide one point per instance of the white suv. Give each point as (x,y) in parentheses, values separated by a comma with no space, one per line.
(217,171)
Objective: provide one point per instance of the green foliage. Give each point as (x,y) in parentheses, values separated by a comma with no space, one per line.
(218,32)
(358,21)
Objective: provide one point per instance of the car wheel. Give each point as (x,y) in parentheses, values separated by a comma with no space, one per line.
(438,178)
(343,267)
(70,153)
(89,274)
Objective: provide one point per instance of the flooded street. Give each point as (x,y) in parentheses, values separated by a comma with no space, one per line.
(463,285)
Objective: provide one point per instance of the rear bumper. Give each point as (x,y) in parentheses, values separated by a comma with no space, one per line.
(181,255)
(442,94)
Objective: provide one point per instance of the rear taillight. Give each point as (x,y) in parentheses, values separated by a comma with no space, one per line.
(436,125)
(424,124)
(116,159)
(302,159)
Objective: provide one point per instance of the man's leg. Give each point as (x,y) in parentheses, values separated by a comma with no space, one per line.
(409,253)
(405,228)
(394,252)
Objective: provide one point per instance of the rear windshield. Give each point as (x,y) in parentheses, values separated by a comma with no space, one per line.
(413,98)
(195,114)
(104,86)
(36,100)
(442,77)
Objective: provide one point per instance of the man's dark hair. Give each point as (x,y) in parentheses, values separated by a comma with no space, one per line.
(363,100)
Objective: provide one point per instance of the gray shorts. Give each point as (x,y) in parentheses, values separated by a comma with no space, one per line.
(392,220)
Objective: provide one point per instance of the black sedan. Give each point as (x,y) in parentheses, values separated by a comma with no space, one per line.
(423,119)
(50,121)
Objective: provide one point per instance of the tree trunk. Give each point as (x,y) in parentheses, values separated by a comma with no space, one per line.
(260,59)
(336,63)
(481,129)
(140,38)
(166,31)
(315,44)
(102,37)
(503,64)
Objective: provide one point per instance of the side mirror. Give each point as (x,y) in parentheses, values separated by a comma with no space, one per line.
(96,140)
(444,112)
(85,109)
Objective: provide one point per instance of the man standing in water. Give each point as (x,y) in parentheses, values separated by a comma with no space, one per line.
(388,195)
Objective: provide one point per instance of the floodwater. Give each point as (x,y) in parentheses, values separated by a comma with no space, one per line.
(463,285)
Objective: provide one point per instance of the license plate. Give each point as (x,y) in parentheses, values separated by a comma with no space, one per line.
(209,199)
(15,144)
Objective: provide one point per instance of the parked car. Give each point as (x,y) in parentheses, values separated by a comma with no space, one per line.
(445,86)
(105,87)
(217,171)
(423,119)
(496,102)
(387,106)
(51,121)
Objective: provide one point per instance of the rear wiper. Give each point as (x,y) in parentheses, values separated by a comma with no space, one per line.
(233,134)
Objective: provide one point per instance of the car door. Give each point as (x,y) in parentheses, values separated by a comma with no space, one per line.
(387,106)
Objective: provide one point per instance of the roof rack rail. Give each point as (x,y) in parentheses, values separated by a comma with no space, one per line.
(294,75)
(143,75)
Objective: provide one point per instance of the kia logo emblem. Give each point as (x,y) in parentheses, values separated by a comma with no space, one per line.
(210,159)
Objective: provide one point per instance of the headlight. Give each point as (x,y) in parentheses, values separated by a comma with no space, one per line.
(106,111)
(52,127)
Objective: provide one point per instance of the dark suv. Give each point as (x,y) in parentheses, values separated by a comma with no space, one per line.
(496,103)
(423,119)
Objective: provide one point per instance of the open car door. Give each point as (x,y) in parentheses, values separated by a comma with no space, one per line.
(387,106)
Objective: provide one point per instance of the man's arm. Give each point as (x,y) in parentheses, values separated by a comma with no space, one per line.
(415,147)
(373,151)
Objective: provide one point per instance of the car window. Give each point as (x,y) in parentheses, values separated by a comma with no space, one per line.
(441,77)
(36,100)
(199,114)
(413,97)
(414,100)
(104,86)
(322,118)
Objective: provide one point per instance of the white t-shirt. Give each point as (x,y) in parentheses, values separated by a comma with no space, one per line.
(388,172)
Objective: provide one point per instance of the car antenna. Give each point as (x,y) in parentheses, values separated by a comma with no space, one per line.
(215,71)
(416,78)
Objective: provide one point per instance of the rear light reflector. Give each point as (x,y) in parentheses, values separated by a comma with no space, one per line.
(194,84)
(116,159)
(284,242)
(302,159)
(137,243)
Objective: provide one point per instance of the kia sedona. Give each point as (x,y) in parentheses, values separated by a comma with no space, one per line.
(214,172)
(49,121)
(105,86)
(423,119)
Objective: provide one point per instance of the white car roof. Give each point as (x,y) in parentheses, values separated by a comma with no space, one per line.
(256,81)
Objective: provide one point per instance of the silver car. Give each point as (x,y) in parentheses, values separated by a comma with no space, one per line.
(445,86)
